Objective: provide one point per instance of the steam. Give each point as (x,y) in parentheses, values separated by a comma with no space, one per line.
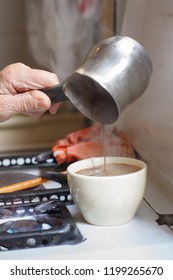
(62,32)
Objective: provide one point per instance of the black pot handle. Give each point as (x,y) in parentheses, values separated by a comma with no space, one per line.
(55,93)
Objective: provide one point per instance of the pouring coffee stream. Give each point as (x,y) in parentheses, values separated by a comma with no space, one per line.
(115,73)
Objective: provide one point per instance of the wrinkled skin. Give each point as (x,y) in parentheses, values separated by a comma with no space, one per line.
(19,92)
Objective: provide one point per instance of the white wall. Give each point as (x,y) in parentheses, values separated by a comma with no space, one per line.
(149,121)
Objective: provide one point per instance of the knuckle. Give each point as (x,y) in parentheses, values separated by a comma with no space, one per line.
(54,77)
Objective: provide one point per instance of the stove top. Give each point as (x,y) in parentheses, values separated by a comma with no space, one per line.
(142,238)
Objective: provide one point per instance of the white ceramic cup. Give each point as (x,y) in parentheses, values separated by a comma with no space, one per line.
(107,200)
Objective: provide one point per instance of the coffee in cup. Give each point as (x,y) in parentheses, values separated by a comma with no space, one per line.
(110,169)
(107,200)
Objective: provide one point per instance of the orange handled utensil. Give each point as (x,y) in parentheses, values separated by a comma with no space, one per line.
(23,185)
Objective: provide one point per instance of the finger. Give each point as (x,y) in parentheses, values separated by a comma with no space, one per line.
(12,82)
(54,108)
(7,109)
(34,103)
(37,79)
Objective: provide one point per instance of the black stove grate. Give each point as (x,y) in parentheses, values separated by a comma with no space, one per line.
(62,194)
(24,160)
(31,225)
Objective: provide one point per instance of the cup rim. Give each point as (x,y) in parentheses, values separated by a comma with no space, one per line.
(139,162)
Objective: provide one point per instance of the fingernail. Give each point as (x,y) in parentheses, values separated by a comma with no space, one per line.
(41,105)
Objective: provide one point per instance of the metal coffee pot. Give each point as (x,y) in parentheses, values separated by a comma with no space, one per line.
(115,72)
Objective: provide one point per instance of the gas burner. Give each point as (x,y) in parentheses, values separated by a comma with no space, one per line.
(31,225)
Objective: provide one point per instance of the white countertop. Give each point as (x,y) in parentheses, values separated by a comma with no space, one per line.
(140,239)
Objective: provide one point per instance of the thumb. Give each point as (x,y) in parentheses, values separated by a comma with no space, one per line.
(33,103)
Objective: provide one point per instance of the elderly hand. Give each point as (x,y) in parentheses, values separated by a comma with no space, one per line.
(19,78)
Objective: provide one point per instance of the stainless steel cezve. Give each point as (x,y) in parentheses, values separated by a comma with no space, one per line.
(115,73)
